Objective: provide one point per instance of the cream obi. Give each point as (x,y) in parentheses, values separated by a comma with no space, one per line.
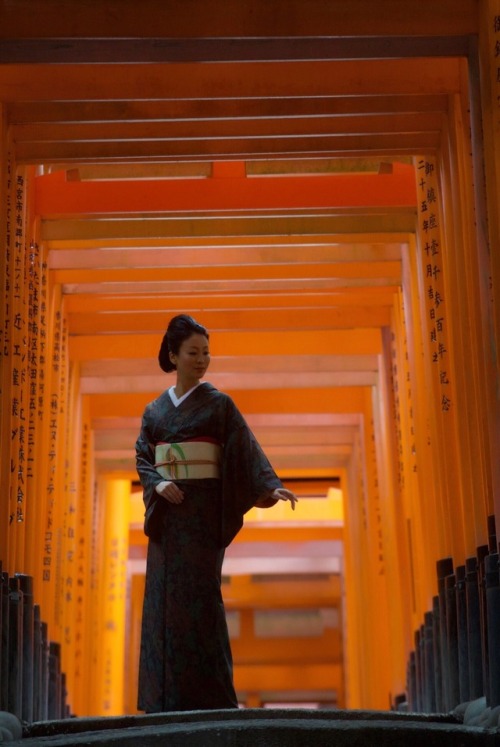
(188,460)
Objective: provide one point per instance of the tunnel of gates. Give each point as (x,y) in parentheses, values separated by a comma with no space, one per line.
(420,487)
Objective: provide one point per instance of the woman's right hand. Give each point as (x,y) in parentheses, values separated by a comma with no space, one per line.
(170,491)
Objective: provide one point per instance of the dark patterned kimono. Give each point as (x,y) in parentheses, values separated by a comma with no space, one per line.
(185,661)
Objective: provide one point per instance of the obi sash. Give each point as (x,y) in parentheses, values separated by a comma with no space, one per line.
(188,460)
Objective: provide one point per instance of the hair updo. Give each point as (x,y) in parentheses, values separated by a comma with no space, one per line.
(180,328)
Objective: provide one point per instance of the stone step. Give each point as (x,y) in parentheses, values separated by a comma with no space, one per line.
(263,728)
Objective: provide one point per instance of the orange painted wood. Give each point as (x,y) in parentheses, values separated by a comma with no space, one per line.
(168,109)
(465,281)
(395,221)
(286,342)
(55,195)
(438,350)
(94,303)
(321,146)
(348,270)
(110,670)
(345,400)
(396,457)
(133,641)
(301,318)
(285,18)
(290,651)
(270,533)
(237,127)
(324,78)
(259,253)
(426,523)
(286,677)
(283,594)
(380,240)
(489,234)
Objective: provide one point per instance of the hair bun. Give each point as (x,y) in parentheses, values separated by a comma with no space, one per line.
(180,328)
(163,356)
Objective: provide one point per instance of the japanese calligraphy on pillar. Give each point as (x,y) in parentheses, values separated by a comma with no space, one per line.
(362,491)
(7,266)
(42,348)
(403,401)
(429,236)
(397,410)
(70,502)
(53,414)
(6,269)
(19,353)
(375,500)
(80,575)
(33,352)
(63,366)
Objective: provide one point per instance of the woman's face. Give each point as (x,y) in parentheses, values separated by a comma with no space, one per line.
(192,359)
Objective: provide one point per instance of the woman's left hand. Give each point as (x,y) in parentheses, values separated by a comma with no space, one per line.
(282,494)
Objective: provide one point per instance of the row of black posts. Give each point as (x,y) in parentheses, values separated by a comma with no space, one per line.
(32,686)
(457,648)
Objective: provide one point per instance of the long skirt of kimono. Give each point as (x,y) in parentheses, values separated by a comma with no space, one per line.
(185,660)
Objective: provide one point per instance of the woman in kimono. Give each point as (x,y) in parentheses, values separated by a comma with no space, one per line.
(201,469)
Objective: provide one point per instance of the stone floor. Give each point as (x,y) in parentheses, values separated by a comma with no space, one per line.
(263,728)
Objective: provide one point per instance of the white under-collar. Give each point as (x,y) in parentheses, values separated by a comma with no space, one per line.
(177,400)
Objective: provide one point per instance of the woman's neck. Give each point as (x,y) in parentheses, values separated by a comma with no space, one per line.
(183,387)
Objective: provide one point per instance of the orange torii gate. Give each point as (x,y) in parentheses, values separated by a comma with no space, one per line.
(364,301)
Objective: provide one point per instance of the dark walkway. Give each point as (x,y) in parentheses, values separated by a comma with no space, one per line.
(264,728)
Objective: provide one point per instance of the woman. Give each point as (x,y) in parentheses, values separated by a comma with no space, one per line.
(201,469)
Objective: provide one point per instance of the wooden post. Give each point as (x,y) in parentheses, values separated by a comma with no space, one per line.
(485,103)
(444,569)
(354,564)
(116,495)
(493,624)
(49,567)
(26,586)
(4,641)
(425,533)
(71,497)
(137,583)
(38,531)
(369,662)
(430,687)
(474,628)
(83,576)
(15,681)
(437,323)
(35,502)
(44,692)
(463,273)
(452,638)
(5,358)
(391,439)
(463,647)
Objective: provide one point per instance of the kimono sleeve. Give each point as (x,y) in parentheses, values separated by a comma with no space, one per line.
(247,475)
(149,478)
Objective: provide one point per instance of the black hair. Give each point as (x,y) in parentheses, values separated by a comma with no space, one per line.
(180,328)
